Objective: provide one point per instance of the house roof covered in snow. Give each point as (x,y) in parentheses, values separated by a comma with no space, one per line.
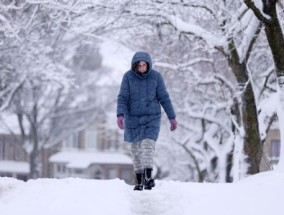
(83,159)
(14,167)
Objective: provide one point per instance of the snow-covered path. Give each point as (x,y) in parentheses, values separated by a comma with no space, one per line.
(261,194)
(161,200)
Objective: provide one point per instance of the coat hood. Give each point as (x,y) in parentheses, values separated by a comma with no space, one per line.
(141,56)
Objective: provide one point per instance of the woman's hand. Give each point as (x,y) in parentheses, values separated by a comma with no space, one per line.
(120,122)
(173,124)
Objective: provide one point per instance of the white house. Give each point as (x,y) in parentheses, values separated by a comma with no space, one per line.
(92,165)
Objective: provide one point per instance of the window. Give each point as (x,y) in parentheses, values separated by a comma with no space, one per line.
(22,177)
(91,138)
(111,173)
(6,174)
(125,175)
(3,151)
(71,141)
(16,154)
(61,168)
(78,171)
(275,149)
(98,174)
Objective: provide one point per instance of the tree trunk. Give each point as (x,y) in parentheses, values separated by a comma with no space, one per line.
(34,173)
(275,39)
(34,161)
(252,143)
(248,115)
(276,42)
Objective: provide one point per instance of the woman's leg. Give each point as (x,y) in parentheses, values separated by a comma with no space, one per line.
(136,157)
(137,164)
(148,152)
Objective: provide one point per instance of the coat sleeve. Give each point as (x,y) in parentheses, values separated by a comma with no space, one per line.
(164,98)
(123,97)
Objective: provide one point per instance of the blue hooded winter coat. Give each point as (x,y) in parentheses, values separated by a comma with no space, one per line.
(140,99)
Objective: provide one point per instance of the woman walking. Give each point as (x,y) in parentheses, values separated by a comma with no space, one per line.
(142,93)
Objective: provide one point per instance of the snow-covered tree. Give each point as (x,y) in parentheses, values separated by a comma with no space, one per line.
(215,39)
(270,13)
(224,26)
(229,28)
(48,102)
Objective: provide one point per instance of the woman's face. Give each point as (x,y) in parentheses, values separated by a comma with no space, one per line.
(142,66)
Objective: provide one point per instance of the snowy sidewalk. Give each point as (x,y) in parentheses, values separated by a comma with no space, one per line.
(261,194)
(161,200)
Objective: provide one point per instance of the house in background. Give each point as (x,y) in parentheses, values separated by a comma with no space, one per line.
(13,159)
(96,152)
(92,165)
(271,149)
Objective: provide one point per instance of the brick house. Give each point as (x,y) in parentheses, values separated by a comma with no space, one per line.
(99,148)
(13,159)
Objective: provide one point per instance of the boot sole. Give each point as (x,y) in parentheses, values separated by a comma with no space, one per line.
(150,185)
(139,188)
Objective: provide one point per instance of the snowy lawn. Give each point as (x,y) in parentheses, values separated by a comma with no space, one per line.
(257,195)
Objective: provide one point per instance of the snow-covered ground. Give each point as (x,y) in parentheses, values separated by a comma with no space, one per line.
(256,195)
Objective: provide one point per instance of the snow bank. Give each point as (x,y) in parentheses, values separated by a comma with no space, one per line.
(259,194)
